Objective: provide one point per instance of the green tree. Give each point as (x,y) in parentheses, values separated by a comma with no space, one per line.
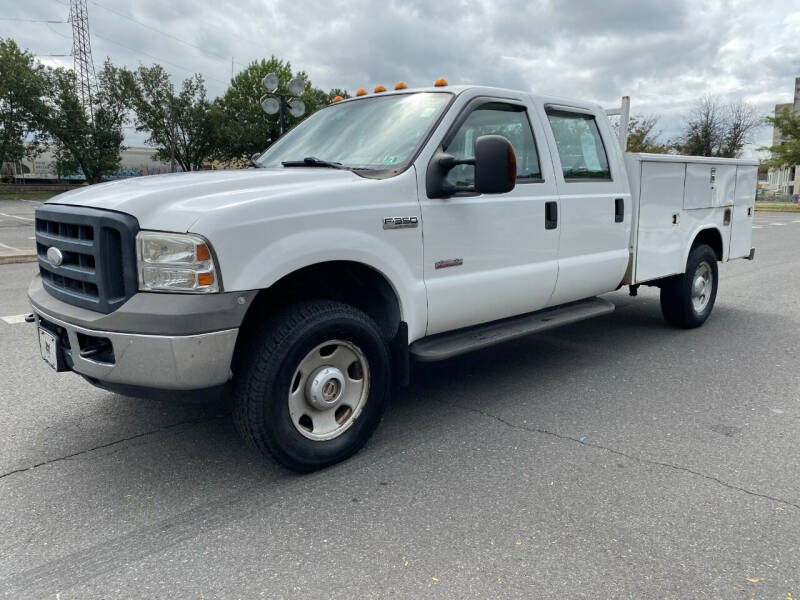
(644,137)
(21,90)
(248,129)
(787,152)
(83,142)
(183,126)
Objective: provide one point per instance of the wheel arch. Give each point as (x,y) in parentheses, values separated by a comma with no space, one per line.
(712,237)
(351,282)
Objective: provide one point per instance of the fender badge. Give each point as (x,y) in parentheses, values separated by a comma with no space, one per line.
(400,222)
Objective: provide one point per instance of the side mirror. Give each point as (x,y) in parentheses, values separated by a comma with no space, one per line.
(495,165)
(495,169)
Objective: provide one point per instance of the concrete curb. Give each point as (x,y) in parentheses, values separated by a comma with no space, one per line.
(17,256)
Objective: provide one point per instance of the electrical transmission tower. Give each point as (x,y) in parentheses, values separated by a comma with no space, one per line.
(85,82)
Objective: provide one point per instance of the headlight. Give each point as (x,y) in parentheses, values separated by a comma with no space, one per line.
(175,262)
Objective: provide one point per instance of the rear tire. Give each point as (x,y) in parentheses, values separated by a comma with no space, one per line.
(313,385)
(688,299)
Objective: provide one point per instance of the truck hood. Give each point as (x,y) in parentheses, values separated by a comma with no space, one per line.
(174,202)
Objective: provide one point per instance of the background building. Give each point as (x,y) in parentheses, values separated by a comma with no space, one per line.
(786,181)
(135,161)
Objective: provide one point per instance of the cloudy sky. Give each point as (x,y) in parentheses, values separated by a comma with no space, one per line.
(663,53)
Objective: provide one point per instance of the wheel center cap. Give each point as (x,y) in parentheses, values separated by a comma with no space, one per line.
(699,284)
(330,390)
(325,387)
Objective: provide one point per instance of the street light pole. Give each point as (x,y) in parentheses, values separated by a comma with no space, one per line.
(282,114)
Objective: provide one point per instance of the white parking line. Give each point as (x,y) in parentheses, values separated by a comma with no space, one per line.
(14,319)
(778,224)
(16,217)
(6,246)
(758,227)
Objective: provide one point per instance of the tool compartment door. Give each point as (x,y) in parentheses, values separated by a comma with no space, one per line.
(659,240)
(743,209)
(709,185)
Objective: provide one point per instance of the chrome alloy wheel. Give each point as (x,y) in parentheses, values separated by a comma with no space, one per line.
(328,390)
(702,284)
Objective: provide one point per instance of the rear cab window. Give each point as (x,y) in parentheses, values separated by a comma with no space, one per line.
(580,146)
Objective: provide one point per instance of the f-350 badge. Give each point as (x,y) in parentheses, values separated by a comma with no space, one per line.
(400,222)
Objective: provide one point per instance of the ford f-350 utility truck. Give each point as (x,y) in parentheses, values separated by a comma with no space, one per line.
(410,224)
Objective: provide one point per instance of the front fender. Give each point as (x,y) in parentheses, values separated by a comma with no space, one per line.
(264,235)
(293,252)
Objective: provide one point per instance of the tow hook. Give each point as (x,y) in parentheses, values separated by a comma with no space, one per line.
(30,318)
(633,290)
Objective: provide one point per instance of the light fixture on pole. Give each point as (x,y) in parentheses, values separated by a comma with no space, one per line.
(279,102)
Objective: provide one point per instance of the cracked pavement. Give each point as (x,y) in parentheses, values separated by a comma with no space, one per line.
(615,458)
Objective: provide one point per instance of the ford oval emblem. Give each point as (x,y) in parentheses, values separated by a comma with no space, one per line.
(54,256)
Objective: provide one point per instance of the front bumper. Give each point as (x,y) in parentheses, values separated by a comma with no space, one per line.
(169,362)
(156,341)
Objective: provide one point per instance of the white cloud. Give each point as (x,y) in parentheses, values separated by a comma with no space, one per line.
(663,54)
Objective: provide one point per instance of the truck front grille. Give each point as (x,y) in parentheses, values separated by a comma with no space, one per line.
(98,260)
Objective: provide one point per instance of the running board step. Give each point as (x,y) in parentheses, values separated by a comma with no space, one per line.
(453,343)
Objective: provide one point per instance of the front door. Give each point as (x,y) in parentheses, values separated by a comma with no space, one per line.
(491,256)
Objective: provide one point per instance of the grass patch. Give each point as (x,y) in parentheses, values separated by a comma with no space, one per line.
(778,206)
(27,195)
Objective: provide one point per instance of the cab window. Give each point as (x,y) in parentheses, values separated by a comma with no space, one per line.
(495,118)
(580,147)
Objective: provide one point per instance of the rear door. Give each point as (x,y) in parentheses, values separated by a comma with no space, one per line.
(743,207)
(593,250)
(489,256)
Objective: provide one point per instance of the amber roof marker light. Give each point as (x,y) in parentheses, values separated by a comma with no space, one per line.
(400,85)
(337,99)
(441,82)
(361,92)
(378,89)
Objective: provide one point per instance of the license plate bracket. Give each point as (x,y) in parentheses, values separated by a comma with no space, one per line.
(50,350)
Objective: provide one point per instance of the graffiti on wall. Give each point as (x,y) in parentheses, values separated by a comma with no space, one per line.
(136,162)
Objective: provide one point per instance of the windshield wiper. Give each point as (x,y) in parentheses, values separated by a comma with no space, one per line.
(254,161)
(313,161)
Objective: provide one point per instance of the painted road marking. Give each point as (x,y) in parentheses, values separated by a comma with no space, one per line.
(14,319)
(2,245)
(778,224)
(757,227)
(16,217)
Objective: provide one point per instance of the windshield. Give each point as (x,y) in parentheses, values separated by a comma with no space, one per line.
(379,132)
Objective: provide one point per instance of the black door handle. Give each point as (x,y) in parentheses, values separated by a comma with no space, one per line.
(550,215)
(619,210)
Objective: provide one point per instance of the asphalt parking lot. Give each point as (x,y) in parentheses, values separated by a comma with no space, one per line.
(614,458)
(16,224)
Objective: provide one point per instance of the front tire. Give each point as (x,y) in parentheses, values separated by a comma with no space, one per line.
(688,299)
(313,385)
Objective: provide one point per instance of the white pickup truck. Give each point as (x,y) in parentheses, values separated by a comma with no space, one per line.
(418,223)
